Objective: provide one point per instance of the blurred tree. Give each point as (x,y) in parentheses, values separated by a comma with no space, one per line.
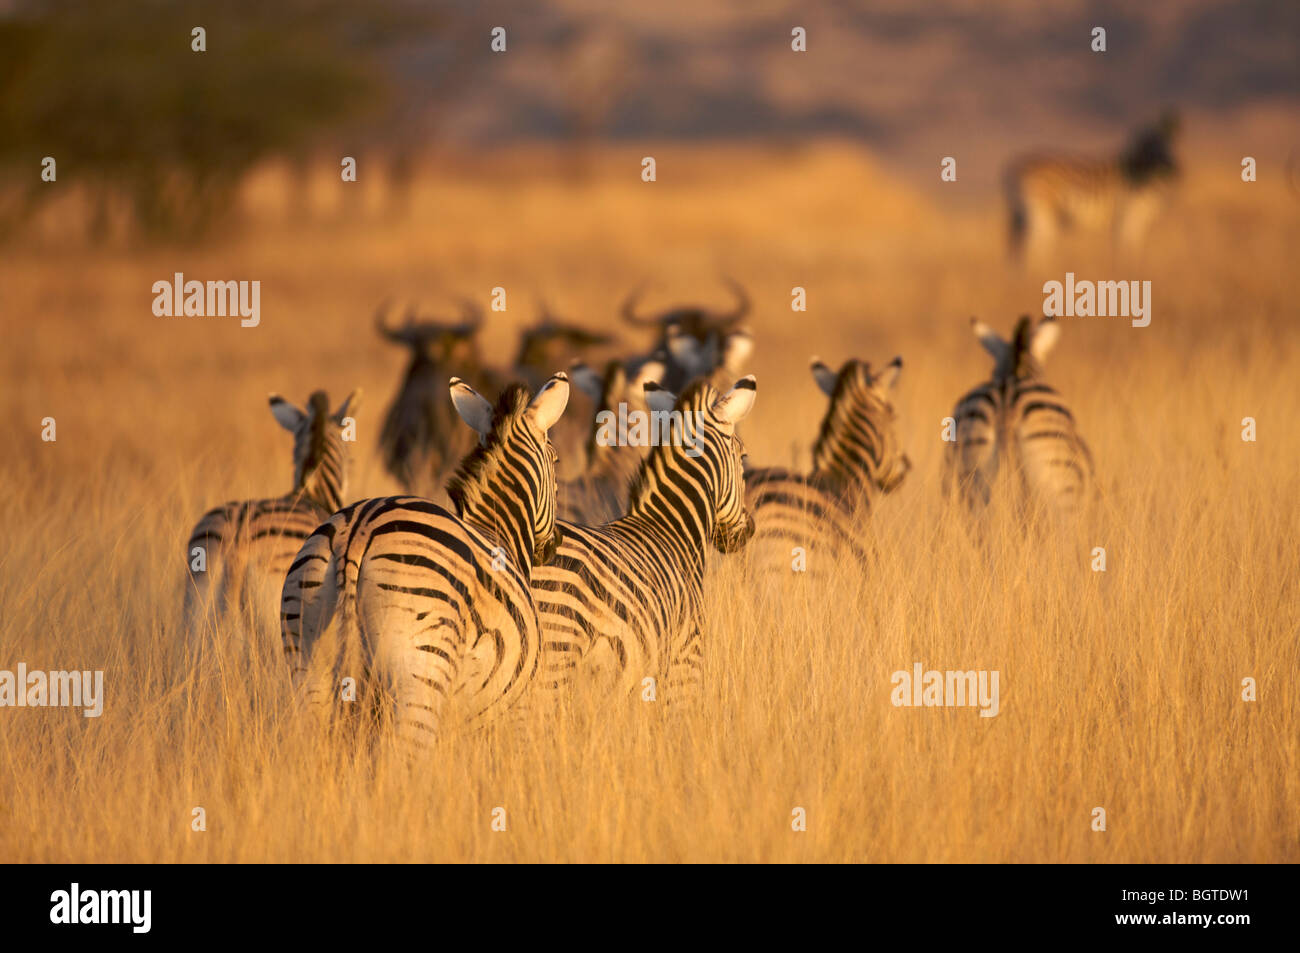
(115,92)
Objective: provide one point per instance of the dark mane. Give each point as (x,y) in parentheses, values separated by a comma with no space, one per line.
(480,466)
(832,422)
(698,395)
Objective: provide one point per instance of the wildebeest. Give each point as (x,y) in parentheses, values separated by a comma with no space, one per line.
(422,440)
(694,341)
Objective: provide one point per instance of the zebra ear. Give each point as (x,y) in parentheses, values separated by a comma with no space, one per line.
(349,406)
(472,407)
(733,406)
(288,416)
(990,339)
(549,403)
(587,380)
(736,349)
(1045,337)
(658,399)
(824,376)
(887,379)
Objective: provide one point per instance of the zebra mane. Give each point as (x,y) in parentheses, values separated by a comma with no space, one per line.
(845,405)
(478,472)
(1023,362)
(309,446)
(698,396)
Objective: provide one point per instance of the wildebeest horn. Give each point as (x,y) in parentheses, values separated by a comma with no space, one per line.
(629,310)
(726,319)
(398,335)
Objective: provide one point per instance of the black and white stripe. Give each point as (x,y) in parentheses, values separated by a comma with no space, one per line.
(623,602)
(1015,435)
(434,606)
(810,522)
(599,493)
(1047,194)
(250,544)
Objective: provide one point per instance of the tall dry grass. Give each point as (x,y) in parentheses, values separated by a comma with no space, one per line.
(1119,689)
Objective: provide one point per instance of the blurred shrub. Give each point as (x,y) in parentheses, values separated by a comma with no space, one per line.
(116,94)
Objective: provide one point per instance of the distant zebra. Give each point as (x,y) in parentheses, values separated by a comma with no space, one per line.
(256,540)
(1050,193)
(421,440)
(810,522)
(432,605)
(599,493)
(623,602)
(1014,433)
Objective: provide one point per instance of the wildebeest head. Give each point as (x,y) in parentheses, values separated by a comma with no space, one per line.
(553,343)
(420,439)
(441,342)
(696,341)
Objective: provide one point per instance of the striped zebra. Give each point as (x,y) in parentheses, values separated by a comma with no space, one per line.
(1047,194)
(255,541)
(599,493)
(810,521)
(1014,433)
(623,602)
(434,605)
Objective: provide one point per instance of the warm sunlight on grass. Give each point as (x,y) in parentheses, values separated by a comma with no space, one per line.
(1119,689)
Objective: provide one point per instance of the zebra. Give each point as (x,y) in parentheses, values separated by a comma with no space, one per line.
(1049,193)
(624,602)
(1015,431)
(856,458)
(433,604)
(421,440)
(694,341)
(598,493)
(238,541)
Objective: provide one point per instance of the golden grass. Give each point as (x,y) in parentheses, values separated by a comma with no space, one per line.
(1119,690)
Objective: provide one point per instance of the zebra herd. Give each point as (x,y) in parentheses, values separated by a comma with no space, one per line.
(522,581)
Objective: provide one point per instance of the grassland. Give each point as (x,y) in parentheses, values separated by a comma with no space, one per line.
(1119,689)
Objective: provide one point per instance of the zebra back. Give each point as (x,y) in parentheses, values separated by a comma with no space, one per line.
(1015,434)
(259,538)
(431,603)
(624,601)
(809,522)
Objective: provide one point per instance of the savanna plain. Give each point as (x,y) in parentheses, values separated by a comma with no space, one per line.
(1120,689)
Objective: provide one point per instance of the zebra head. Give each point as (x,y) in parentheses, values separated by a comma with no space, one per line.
(858,445)
(1022,357)
(704,471)
(319,457)
(506,486)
